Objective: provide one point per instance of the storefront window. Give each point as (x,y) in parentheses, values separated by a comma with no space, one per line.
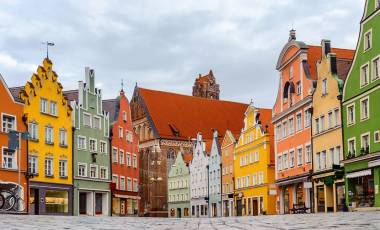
(299,194)
(172,212)
(186,212)
(361,191)
(129,207)
(286,200)
(340,197)
(56,201)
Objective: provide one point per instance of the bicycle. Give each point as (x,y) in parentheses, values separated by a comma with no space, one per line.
(10,200)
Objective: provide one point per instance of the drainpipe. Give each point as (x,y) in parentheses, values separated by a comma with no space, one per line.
(208,190)
(110,134)
(312,157)
(221,190)
(72,170)
(25,121)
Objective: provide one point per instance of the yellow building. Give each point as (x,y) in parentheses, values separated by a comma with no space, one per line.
(254,170)
(332,69)
(48,115)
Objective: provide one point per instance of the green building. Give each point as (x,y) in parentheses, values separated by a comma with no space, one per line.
(91,167)
(179,187)
(361,115)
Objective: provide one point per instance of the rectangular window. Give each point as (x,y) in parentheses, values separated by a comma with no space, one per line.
(93,145)
(122,183)
(96,123)
(82,170)
(93,171)
(257,157)
(285,159)
(121,157)
(324,87)
(120,132)
(291,126)
(376,136)
(351,114)
(376,68)
(323,159)
(62,137)
(128,159)
(337,156)
(365,142)
(308,153)
(318,161)
(291,155)
(251,158)
(124,116)
(254,179)
(368,40)
(63,168)
(322,127)
(103,173)
(9,159)
(8,123)
(284,129)
(136,186)
(299,156)
(330,158)
(129,184)
(299,122)
(364,79)
(87,119)
(279,163)
(134,161)
(364,109)
(48,167)
(53,108)
(248,181)
(115,179)
(43,106)
(33,165)
(330,120)
(103,147)
(49,135)
(114,155)
(337,117)
(33,131)
(307,118)
(299,88)
(278,132)
(352,147)
(317,126)
(82,143)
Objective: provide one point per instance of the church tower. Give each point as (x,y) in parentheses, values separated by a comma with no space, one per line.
(206,87)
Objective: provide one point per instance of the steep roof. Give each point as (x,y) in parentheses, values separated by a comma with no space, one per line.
(314,54)
(15,91)
(111,106)
(343,67)
(189,115)
(71,95)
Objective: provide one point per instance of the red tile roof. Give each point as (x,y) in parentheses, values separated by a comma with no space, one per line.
(190,115)
(314,54)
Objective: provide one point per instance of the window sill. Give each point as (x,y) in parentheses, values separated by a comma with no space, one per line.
(34,139)
(63,177)
(49,143)
(63,145)
(49,176)
(364,119)
(9,169)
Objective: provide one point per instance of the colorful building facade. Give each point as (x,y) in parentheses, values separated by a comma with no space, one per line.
(361,112)
(125,159)
(227,159)
(48,115)
(179,188)
(254,165)
(92,168)
(199,179)
(328,181)
(13,164)
(215,178)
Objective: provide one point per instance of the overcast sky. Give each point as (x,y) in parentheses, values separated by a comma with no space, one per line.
(165,44)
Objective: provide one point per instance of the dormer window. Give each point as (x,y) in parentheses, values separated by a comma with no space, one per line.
(368,40)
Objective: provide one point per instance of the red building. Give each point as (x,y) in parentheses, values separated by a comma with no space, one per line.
(124,157)
(13,164)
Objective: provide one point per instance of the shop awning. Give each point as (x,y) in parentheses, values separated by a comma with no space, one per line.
(292,181)
(127,196)
(359,173)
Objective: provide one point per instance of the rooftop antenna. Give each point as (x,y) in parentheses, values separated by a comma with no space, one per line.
(47,43)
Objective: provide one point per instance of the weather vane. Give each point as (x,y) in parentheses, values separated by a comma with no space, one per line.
(47,43)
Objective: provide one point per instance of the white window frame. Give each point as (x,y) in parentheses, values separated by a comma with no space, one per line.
(33,130)
(115,176)
(44,107)
(122,185)
(5,129)
(49,139)
(121,157)
(298,127)
(129,188)
(348,114)
(90,122)
(291,125)
(121,131)
(63,173)
(55,113)
(35,171)
(376,133)
(104,151)
(324,87)
(51,166)
(115,159)
(299,162)
(307,118)
(292,164)
(373,77)
(96,172)
(62,137)
(308,157)
(100,173)
(96,145)
(85,142)
(369,139)
(85,169)
(365,41)
(135,186)
(100,122)
(14,159)
(128,159)
(362,85)
(134,160)
(348,145)
(368,109)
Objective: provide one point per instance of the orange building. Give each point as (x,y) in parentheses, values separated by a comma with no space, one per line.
(292,121)
(13,167)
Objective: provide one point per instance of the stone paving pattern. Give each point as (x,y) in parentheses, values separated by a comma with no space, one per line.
(358,220)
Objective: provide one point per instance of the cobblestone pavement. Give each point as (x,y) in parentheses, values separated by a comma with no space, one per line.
(362,220)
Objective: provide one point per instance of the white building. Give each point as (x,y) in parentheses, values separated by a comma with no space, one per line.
(215,200)
(199,179)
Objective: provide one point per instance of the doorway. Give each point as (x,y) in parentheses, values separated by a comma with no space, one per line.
(255,205)
(122,207)
(321,199)
(98,203)
(34,201)
(179,213)
(286,200)
(239,207)
(83,203)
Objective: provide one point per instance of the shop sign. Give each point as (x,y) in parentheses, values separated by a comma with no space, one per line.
(307,184)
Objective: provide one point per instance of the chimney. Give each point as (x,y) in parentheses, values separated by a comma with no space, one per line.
(333,66)
(326,46)
(292,35)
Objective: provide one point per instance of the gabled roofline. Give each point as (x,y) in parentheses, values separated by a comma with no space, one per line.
(8,91)
(299,44)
